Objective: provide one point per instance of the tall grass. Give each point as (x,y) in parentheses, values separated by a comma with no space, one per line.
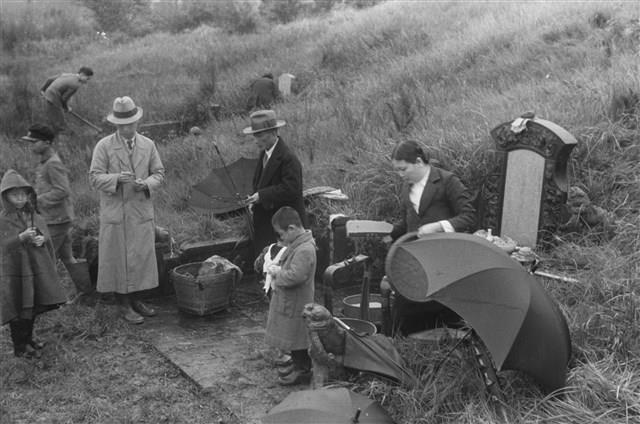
(441,73)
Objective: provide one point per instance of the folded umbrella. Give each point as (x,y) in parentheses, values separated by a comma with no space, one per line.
(521,325)
(224,190)
(327,406)
(375,354)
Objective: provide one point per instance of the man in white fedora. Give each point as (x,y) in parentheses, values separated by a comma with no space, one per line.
(127,171)
(277,179)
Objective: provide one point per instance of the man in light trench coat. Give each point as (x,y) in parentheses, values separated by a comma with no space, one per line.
(127,171)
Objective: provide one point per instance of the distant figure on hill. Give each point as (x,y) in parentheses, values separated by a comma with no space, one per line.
(263,92)
(57,91)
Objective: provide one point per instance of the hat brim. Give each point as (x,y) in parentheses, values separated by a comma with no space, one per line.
(279,123)
(124,121)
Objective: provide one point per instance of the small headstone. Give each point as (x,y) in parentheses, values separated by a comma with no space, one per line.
(284,83)
(524,194)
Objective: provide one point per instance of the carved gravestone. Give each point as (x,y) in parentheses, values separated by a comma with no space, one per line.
(284,84)
(527,188)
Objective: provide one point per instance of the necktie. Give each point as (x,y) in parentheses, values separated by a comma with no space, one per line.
(265,159)
(130,144)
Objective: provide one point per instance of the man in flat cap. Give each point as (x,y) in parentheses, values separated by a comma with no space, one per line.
(127,171)
(277,179)
(53,193)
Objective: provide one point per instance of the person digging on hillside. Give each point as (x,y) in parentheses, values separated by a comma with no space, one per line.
(263,93)
(277,179)
(292,288)
(29,282)
(54,196)
(432,201)
(127,171)
(57,91)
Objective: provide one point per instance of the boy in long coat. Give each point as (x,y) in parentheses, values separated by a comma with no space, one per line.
(127,171)
(292,288)
(29,282)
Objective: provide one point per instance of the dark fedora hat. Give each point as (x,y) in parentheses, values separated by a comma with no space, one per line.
(263,120)
(39,132)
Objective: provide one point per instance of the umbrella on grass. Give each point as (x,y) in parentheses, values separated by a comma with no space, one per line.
(327,406)
(375,354)
(520,324)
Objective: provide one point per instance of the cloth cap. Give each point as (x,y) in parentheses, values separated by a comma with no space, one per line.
(39,132)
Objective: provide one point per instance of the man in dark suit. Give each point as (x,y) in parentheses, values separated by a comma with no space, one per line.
(433,201)
(277,179)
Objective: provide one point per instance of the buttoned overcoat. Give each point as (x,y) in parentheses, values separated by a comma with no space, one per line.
(126,253)
(292,288)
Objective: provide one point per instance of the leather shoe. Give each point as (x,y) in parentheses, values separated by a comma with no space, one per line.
(131,316)
(283,360)
(143,309)
(286,370)
(295,377)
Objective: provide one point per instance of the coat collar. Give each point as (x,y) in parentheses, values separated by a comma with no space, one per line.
(136,157)
(429,188)
(307,236)
(274,162)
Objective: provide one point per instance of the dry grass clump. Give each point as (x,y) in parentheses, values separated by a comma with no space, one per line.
(441,73)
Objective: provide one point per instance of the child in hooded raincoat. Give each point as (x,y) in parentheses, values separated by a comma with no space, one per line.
(29,283)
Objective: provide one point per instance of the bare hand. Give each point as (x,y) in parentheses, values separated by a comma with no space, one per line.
(126,177)
(273,270)
(431,228)
(38,241)
(254,198)
(387,240)
(140,185)
(28,235)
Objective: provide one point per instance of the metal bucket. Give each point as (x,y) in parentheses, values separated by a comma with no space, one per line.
(352,307)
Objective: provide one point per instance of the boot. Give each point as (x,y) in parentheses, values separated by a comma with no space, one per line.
(31,341)
(20,337)
(126,311)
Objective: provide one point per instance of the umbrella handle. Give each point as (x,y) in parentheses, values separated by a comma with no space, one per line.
(356,419)
(341,323)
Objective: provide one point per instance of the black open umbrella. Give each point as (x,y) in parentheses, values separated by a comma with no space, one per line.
(225,188)
(327,406)
(520,324)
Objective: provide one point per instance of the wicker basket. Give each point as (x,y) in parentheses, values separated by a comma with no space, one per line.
(202,296)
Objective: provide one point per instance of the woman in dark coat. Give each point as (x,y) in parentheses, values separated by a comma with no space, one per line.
(29,282)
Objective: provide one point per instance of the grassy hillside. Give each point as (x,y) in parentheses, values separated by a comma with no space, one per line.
(441,73)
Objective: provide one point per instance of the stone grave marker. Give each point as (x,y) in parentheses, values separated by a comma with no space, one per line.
(524,193)
(284,84)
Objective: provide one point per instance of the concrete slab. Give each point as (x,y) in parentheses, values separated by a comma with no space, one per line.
(224,354)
